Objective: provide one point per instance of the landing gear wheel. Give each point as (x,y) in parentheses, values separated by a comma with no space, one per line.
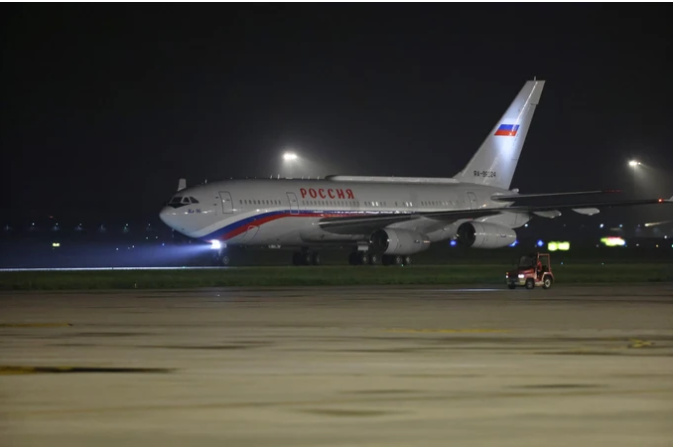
(225,261)
(306,258)
(315,258)
(373,259)
(398,260)
(546,284)
(407,260)
(530,283)
(363,258)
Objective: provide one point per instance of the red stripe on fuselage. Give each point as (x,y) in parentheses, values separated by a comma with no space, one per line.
(505,133)
(262,220)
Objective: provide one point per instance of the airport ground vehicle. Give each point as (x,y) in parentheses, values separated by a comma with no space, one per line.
(533,270)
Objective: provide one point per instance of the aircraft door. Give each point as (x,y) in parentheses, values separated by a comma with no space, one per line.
(227,204)
(472,199)
(294,204)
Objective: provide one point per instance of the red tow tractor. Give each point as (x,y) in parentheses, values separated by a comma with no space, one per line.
(533,270)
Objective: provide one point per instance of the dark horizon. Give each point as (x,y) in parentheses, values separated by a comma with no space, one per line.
(106,107)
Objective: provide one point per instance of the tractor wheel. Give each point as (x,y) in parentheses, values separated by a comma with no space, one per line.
(530,283)
(547,282)
(511,286)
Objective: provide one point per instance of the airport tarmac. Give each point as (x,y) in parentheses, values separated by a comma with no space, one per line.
(366,366)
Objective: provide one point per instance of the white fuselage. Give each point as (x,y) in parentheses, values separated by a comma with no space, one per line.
(287,212)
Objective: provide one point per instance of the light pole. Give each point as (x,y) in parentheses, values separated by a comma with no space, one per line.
(289,160)
(633,164)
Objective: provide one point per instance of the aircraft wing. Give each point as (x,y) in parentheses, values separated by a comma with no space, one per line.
(371,223)
(518,197)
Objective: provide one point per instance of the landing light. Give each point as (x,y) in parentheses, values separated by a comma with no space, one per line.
(289,156)
(215,244)
(613,241)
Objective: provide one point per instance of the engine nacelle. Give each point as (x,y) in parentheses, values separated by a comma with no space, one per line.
(398,242)
(485,235)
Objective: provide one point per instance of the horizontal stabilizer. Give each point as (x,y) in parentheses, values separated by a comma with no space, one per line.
(513,197)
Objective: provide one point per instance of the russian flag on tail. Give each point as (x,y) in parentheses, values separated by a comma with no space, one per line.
(507,130)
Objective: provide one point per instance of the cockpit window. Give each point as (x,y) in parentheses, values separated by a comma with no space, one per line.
(185,200)
(193,200)
(176,199)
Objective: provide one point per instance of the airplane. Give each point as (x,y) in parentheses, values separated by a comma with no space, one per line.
(386,218)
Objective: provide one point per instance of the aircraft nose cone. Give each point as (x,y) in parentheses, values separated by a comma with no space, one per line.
(168,216)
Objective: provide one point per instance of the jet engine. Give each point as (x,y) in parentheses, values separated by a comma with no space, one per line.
(398,242)
(485,235)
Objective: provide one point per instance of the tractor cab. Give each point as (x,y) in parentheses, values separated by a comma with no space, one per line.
(532,270)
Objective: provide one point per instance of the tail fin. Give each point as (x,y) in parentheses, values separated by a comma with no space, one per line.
(495,161)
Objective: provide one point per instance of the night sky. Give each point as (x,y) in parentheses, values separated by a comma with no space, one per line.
(105,107)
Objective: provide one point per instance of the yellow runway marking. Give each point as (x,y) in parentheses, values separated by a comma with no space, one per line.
(37,325)
(449,331)
(640,344)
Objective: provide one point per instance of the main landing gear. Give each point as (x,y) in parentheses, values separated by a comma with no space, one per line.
(358,257)
(306,257)
(363,258)
(368,258)
(396,260)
